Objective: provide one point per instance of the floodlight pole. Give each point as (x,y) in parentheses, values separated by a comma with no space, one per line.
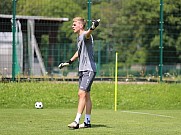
(14,40)
(161,40)
(89,14)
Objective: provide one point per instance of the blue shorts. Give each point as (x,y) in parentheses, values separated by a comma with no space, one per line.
(86,79)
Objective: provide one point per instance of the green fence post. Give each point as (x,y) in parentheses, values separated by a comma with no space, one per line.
(65,51)
(89,14)
(46,58)
(99,58)
(14,41)
(161,40)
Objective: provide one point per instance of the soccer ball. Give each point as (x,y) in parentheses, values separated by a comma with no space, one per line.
(39,105)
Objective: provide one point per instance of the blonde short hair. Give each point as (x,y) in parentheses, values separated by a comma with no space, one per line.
(81,20)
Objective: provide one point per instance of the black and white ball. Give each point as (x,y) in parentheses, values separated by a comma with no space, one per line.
(39,105)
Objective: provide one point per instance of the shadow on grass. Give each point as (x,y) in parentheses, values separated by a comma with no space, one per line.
(99,126)
(93,126)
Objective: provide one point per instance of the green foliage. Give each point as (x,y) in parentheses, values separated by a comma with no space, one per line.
(57,8)
(130,27)
(137,27)
(131,30)
(6,7)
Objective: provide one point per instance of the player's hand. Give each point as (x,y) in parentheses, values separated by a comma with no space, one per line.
(64,64)
(95,23)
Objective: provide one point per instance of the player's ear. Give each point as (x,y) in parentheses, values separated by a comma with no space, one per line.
(81,26)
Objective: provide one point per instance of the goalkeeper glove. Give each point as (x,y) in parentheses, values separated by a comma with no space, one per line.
(65,64)
(95,23)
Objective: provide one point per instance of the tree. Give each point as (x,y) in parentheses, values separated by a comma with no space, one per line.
(6,7)
(49,8)
(137,26)
(130,27)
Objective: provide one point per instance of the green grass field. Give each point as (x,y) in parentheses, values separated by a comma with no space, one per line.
(143,109)
(104,122)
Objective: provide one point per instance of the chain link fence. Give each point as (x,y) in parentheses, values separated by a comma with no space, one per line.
(44,38)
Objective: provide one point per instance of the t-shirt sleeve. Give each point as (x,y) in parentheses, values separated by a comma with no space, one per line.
(84,37)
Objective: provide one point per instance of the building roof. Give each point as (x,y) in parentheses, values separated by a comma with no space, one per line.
(36,18)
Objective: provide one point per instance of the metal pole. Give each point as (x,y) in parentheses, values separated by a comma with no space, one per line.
(99,57)
(161,40)
(14,41)
(89,14)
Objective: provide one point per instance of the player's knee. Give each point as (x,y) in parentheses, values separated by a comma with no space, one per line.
(81,94)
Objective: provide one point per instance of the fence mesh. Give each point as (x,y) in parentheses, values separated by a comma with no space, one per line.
(44,38)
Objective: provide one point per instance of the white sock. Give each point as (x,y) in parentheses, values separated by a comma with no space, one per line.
(87,118)
(78,116)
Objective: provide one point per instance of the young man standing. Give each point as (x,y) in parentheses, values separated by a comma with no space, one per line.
(87,69)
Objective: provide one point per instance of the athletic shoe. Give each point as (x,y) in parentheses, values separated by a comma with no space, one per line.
(73,125)
(85,125)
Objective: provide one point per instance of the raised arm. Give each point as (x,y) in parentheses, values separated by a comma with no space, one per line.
(95,23)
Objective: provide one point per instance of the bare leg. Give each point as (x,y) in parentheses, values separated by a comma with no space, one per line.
(82,101)
(88,103)
(81,105)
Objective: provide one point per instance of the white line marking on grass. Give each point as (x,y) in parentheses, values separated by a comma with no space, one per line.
(149,114)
